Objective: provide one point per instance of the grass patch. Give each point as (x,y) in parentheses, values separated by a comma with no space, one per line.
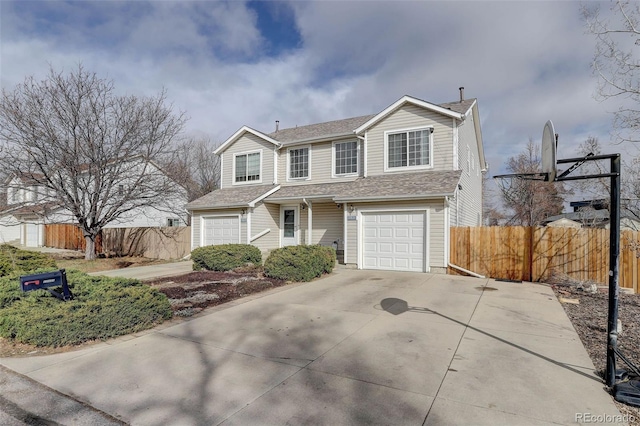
(102,308)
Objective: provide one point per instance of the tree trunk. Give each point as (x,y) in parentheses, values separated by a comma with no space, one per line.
(90,250)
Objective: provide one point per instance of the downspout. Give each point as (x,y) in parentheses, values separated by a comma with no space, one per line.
(466,271)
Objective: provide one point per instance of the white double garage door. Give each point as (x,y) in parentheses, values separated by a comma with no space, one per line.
(395,241)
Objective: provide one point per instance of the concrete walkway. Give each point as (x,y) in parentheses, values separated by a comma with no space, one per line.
(150,271)
(358,347)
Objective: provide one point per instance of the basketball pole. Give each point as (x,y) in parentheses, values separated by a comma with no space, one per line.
(614,266)
(614,252)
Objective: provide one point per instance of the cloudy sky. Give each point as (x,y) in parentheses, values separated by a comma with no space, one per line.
(227,64)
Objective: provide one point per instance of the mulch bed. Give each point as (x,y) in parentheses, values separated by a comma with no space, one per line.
(191,293)
(589,318)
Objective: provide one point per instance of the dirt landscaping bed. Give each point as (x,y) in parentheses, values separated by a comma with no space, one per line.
(588,312)
(191,293)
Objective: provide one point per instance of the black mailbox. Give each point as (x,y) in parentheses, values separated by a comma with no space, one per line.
(46,281)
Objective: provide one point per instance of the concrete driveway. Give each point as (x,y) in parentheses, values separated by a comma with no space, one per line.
(357,347)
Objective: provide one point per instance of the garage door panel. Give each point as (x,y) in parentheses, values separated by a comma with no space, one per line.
(394,241)
(221,230)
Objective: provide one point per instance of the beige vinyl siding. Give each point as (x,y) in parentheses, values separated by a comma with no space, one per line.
(266,216)
(196,224)
(436,228)
(247,143)
(407,117)
(327,224)
(470,196)
(352,241)
(321,164)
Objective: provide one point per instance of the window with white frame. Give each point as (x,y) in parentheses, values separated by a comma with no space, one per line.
(299,163)
(411,148)
(247,167)
(346,158)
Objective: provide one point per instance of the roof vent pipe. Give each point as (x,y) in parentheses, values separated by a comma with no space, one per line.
(461,93)
(277,125)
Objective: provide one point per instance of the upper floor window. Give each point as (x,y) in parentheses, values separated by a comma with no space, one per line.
(345,158)
(299,163)
(247,167)
(409,148)
(173,221)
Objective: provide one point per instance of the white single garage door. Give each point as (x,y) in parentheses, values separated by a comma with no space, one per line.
(221,230)
(394,241)
(32,235)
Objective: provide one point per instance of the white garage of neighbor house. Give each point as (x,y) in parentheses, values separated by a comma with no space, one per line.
(383,189)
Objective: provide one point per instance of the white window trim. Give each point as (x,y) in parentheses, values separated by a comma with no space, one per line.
(333,160)
(405,168)
(372,210)
(213,216)
(468,161)
(233,168)
(290,179)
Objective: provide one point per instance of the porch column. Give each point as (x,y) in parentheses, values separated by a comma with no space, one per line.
(309,224)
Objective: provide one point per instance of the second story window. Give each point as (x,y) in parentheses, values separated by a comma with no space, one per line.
(346,158)
(247,167)
(410,148)
(299,163)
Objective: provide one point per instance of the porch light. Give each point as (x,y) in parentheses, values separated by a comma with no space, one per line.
(351,208)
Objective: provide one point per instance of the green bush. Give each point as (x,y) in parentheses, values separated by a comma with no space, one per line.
(102,308)
(300,263)
(14,260)
(225,257)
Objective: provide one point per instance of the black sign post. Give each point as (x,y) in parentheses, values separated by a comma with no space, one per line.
(46,281)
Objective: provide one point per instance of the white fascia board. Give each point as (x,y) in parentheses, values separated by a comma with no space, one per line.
(239,133)
(408,99)
(391,198)
(230,206)
(263,196)
(300,197)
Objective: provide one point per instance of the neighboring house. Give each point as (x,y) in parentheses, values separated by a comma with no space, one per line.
(383,189)
(564,223)
(595,214)
(30,206)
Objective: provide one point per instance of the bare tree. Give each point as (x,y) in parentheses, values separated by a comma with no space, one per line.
(530,201)
(92,151)
(196,167)
(615,62)
(491,208)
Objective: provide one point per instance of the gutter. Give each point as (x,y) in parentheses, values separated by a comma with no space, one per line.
(466,271)
(393,197)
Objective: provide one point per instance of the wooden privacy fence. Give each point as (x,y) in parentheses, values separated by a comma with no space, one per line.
(536,253)
(154,243)
(67,236)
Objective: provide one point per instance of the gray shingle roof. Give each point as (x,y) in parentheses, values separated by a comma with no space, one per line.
(345,126)
(402,185)
(235,196)
(314,131)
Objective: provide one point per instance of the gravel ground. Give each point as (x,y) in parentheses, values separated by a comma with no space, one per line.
(589,318)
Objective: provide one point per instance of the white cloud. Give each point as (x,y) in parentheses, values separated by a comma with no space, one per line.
(526,62)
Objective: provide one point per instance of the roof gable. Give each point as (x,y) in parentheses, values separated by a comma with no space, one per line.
(445,109)
(237,135)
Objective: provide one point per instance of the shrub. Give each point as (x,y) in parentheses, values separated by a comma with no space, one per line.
(224,257)
(14,260)
(300,263)
(102,308)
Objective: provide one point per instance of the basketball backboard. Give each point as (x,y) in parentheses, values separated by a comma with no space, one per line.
(549,147)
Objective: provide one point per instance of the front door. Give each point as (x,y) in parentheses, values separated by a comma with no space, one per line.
(289,225)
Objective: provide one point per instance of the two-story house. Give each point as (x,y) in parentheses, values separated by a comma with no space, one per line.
(30,206)
(383,189)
